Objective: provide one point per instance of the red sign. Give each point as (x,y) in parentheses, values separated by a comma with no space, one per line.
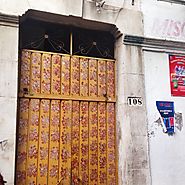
(177,75)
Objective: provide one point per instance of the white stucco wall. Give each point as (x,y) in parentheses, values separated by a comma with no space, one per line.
(132,142)
(167,153)
(8,99)
(164,20)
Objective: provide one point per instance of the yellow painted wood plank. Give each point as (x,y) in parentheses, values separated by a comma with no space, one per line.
(75,76)
(65,144)
(44,123)
(65,78)
(111,142)
(33,136)
(84,76)
(102,144)
(102,79)
(93,143)
(35,76)
(75,146)
(110,80)
(54,141)
(22,142)
(46,74)
(84,144)
(56,75)
(93,78)
(25,72)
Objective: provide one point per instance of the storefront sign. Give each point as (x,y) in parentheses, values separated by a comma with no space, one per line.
(177,75)
(166,110)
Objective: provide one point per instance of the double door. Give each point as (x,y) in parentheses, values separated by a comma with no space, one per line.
(66,120)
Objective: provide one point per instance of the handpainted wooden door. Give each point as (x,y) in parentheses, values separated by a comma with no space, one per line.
(66,120)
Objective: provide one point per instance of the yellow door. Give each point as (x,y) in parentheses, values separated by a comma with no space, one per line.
(66,128)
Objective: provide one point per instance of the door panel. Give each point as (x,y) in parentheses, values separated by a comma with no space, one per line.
(66,128)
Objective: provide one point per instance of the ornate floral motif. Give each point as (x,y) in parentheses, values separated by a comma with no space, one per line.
(46,73)
(103,162)
(111,143)
(66,122)
(23,123)
(43,169)
(75,163)
(55,120)
(54,171)
(32,170)
(75,89)
(84,164)
(66,138)
(33,136)
(65,88)
(36,85)
(56,85)
(35,105)
(54,153)
(44,137)
(102,121)
(35,72)
(75,106)
(102,133)
(44,121)
(111,156)
(94,132)
(102,147)
(84,149)
(56,60)
(84,120)
(111,131)
(65,155)
(43,153)
(46,86)
(55,106)
(75,150)
(21,176)
(103,177)
(66,63)
(64,173)
(85,135)
(22,139)
(25,80)
(33,152)
(85,178)
(94,159)
(94,146)
(55,136)
(75,75)
(35,119)
(21,157)
(75,135)
(94,175)
(94,119)
(66,106)
(45,106)
(112,169)
(24,105)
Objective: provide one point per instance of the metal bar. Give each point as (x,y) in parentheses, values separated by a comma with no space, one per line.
(63,97)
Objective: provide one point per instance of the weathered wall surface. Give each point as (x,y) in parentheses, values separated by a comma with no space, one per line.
(163,20)
(8,99)
(167,153)
(132,140)
(132,124)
